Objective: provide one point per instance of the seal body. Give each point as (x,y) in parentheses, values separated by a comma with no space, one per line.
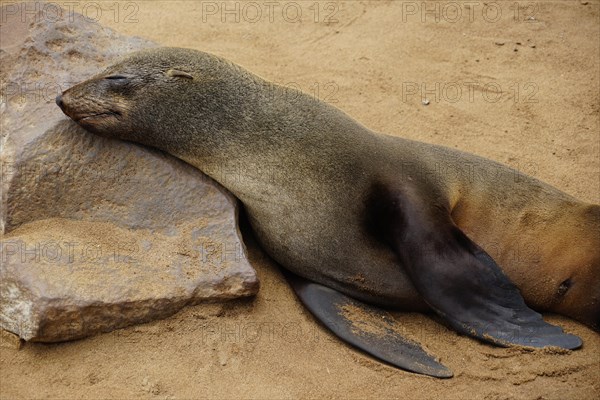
(360,212)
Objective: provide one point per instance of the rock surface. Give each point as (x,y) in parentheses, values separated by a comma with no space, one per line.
(97,234)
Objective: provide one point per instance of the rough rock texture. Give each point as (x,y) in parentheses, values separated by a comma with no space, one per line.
(97,234)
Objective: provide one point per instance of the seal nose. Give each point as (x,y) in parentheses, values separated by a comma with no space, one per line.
(59,102)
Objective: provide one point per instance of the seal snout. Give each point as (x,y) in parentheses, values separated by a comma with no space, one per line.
(59,102)
(86,108)
(65,102)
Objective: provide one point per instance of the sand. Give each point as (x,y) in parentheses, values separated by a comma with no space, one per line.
(520,87)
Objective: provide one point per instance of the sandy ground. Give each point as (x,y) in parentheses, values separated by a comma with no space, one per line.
(369,58)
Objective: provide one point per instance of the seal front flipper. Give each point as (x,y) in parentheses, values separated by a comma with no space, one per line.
(455,276)
(368,328)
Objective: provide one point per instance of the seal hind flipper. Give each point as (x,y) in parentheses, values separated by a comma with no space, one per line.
(455,276)
(530,329)
(342,315)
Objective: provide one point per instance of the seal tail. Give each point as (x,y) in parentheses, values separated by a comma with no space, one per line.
(367,328)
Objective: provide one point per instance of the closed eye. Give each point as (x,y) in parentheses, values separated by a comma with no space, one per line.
(115,77)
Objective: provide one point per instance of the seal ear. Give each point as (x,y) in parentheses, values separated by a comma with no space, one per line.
(176,73)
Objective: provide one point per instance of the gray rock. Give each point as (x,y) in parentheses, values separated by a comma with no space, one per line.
(98,234)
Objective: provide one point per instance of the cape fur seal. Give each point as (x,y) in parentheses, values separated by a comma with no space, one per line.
(359,217)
